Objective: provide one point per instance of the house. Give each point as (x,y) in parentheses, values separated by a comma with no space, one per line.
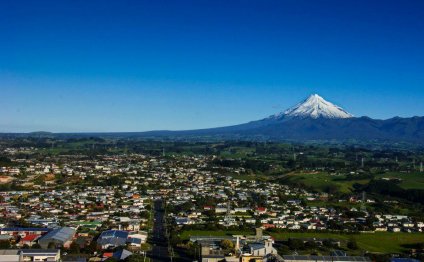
(221,210)
(182,221)
(136,239)
(134,242)
(259,249)
(121,254)
(112,238)
(260,210)
(250,258)
(29,240)
(209,251)
(132,225)
(61,237)
(18,255)
(19,231)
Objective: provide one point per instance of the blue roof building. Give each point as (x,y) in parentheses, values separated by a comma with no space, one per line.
(112,238)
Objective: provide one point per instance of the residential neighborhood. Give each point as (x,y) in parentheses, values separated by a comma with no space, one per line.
(97,207)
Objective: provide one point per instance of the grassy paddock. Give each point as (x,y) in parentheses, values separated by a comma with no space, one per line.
(413,180)
(319,180)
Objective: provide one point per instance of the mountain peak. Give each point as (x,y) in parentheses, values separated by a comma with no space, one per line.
(314,107)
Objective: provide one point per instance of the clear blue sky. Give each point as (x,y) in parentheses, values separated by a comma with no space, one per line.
(102,65)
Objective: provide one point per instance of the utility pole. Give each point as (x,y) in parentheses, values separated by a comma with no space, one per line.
(227,218)
(364,198)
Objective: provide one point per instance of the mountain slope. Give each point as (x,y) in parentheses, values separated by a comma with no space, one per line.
(315,119)
(363,128)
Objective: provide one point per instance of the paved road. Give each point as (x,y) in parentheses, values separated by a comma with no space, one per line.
(158,239)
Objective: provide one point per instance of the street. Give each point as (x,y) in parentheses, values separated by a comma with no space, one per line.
(158,239)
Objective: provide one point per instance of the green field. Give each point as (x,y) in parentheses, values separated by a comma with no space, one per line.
(320,181)
(409,180)
(379,242)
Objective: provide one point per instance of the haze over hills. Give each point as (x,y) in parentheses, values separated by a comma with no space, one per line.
(316,119)
(312,119)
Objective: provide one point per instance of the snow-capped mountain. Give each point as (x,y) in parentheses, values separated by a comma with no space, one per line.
(312,119)
(314,107)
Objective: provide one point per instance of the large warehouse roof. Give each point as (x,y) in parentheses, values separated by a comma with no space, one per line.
(62,234)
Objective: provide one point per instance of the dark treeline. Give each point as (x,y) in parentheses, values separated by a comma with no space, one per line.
(392,189)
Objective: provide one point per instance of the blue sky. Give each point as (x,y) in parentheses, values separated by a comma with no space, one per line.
(69,66)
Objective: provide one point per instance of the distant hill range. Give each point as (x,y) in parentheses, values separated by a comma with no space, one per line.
(314,119)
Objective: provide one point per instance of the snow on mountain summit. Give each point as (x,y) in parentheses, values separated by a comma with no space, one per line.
(314,107)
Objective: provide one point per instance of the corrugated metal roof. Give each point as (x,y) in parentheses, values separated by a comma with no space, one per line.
(113,237)
(62,234)
(25,229)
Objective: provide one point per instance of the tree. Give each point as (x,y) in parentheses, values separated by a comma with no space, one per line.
(174,239)
(91,248)
(311,244)
(135,258)
(328,243)
(352,244)
(283,250)
(36,246)
(145,247)
(295,243)
(226,244)
(74,248)
(4,244)
(331,189)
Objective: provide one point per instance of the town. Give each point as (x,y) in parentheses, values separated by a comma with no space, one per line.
(79,207)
